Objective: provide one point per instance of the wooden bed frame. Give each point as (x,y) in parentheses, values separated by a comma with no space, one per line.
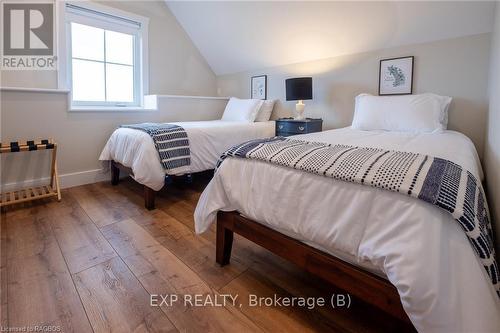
(364,285)
(149,193)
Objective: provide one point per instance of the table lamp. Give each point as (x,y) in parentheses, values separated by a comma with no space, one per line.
(299,89)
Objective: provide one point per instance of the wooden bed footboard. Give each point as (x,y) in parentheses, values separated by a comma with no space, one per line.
(149,193)
(364,285)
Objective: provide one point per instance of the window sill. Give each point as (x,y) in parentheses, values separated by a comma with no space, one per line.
(111,109)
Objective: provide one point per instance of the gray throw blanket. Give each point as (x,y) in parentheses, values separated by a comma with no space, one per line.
(171,142)
(434,180)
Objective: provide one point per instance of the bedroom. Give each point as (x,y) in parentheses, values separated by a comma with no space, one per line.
(250,166)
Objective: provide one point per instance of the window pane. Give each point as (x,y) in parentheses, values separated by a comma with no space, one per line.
(88,80)
(87,42)
(119,48)
(119,83)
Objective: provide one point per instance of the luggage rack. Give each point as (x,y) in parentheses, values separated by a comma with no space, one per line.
(34,192)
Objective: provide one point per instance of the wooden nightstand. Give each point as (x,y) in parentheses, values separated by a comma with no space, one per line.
(290,126)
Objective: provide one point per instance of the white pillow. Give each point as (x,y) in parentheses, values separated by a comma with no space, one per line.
(409,113)
(241,109)
(266,110)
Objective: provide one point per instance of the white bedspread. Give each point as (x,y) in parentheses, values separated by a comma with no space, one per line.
(419,248)
(207,140)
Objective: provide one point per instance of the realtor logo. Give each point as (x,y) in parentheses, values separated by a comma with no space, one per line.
(28,36)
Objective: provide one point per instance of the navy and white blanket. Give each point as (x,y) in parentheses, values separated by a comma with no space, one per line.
(434,180)
(171,142)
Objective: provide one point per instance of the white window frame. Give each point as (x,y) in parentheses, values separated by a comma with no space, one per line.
(108,18)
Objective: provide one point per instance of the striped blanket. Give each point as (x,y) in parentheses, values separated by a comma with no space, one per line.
(171,142)
(434,180)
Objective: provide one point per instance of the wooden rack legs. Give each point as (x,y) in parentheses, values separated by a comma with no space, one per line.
(54,176)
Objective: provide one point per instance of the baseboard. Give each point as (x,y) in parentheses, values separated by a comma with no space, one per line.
(65,180)
(83,177)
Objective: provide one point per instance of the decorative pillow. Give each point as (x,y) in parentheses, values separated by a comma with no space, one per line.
(266,110)
(241,109)
(409,113)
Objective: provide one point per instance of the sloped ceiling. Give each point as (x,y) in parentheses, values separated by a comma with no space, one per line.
(241,36)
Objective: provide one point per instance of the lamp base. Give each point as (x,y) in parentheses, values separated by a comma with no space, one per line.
(299,107)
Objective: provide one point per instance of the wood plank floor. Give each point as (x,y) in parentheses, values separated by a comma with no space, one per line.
(91,262)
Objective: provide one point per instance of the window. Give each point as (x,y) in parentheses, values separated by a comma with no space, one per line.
(105,57)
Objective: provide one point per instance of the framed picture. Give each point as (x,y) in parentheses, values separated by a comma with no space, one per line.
(259,87)
(396,76)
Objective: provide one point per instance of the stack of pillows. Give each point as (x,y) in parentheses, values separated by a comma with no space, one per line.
(248,110)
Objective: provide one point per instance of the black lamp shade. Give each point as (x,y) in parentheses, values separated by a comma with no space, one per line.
(299,88)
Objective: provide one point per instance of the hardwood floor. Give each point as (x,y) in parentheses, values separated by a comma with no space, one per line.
(91,262)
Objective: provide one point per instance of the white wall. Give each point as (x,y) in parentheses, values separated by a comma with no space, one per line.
(175,65)
(492,141)
(455,67)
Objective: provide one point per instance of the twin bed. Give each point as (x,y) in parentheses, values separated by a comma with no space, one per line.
(404,255)
(135,151)
(417,247)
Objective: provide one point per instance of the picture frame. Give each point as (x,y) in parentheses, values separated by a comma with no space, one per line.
(396,76)
(258,88)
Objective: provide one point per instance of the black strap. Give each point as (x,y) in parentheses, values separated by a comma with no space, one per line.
(14,147)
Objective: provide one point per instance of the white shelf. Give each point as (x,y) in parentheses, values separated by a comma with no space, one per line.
(35,90)
(192,97)
(66,91)
(113,109)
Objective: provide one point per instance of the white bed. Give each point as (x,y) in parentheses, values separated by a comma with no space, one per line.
(419,248)
(207,140)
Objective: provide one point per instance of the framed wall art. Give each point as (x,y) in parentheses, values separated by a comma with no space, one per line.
(396,76)
(259,87)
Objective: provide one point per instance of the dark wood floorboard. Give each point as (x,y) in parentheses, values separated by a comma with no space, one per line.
(115,301)
(40,289)
(161,272)
(81,242)
(91,261)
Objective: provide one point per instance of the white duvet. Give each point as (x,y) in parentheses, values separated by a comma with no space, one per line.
(419,248)
(207,141)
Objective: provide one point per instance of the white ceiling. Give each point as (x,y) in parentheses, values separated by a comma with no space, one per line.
(241,36)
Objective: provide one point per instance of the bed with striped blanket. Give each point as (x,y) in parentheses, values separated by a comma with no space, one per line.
(153,150)
(408,207)
(434,180)
(171,142)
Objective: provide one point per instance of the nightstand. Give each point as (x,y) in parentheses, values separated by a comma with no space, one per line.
(290,126)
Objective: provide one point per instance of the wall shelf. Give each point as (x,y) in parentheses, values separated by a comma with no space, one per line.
(35,90)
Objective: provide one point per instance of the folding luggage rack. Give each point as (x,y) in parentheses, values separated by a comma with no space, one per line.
(34,192)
